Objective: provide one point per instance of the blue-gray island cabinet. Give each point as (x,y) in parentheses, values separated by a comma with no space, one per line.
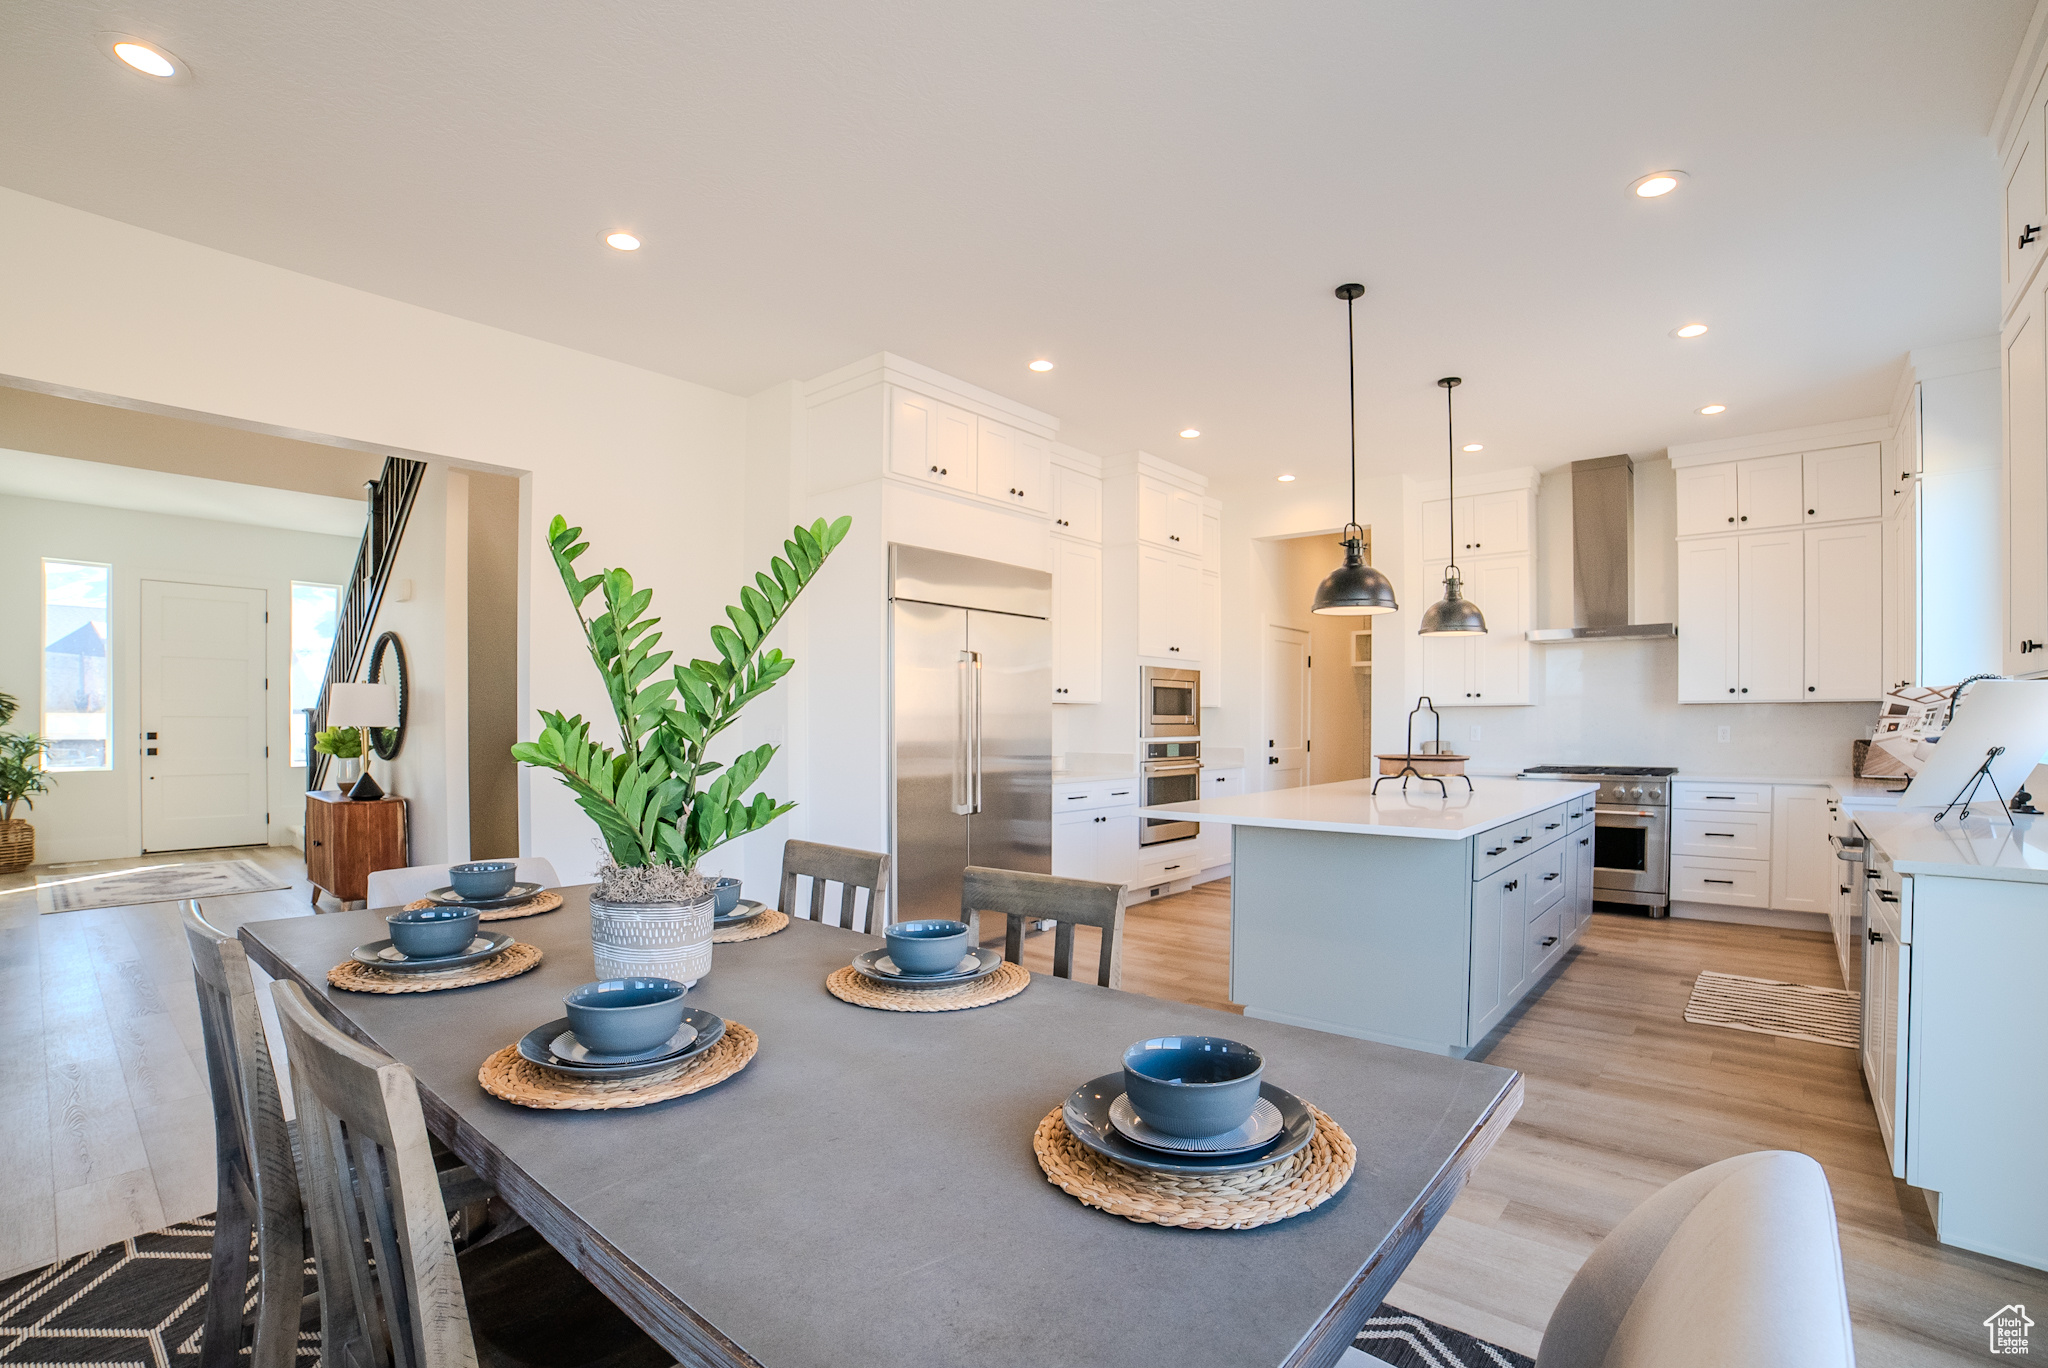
(1409,918)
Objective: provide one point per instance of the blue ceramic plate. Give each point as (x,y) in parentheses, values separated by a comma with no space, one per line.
(745,912)
(537,1045)
(1256,1133)
(382,954)
(567,1047)
(876,964)
(517,893)
(1087,1116)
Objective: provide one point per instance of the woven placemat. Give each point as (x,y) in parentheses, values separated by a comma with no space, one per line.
(848,984)
(767,924)
(532,907)
(514,960)
(1301,1182)
(506,1075)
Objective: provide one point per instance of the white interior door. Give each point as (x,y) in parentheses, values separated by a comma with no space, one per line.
(204,771)
(1286,762)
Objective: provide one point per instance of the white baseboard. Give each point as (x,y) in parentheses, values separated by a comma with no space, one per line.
(1750,916)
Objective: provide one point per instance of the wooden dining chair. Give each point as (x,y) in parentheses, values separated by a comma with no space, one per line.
(258,1186)
(1022,898)
(850,869)
(397,887)
(393,1291)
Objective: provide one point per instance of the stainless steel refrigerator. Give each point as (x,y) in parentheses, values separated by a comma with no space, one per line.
(971,645)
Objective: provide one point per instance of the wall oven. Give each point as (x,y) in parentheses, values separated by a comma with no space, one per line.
(1172,773)
(1169,702)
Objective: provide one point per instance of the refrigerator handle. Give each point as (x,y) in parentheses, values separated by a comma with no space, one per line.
(963,735)
(974,754)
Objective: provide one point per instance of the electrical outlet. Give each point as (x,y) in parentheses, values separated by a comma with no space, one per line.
(1475,731)
(1722,734)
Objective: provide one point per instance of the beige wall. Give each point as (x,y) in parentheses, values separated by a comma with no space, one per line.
(493,665)
(1340,698)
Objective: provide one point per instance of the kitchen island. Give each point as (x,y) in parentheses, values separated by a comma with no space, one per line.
(1408,918)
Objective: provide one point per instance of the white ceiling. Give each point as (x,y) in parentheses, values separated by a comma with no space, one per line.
(1159,197)
(32,475)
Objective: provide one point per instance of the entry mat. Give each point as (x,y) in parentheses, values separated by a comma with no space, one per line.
(1830,1016)
(172,881)
(142,1301)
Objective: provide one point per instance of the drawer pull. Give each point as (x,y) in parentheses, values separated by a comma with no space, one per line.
(1718,881)
(1523,840)
(1549,940)
(1552,826)
(1886,895)
(1548,877)
(1076,797)
(1170,868)
(1585,840)
(1719,797)
(1729,834)
(1496,850)
(1125,793)
(1511,885)
(1876,936)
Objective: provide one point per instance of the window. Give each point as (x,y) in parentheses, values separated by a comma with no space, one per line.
(75,716)
(314,610)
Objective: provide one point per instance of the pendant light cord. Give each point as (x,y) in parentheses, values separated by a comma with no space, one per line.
(1351,374)
(1451,454)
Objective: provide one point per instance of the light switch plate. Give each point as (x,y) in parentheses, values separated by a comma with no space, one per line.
(1722,734)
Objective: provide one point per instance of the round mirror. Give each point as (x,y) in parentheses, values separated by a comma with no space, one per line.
(387,666)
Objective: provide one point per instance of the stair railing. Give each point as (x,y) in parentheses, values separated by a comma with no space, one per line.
(391,499)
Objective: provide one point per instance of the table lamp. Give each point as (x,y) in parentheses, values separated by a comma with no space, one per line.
(363,706)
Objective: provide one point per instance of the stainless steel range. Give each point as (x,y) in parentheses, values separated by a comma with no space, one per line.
(1631,831)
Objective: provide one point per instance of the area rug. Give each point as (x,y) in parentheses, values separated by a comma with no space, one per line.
(136,1304)
(1404,1341)
(140,1304)
(1828,1016)
(170,882)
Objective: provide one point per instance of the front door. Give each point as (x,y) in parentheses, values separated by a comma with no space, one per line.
(204,767)
(1286,764)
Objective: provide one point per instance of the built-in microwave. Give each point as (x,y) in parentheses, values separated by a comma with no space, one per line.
(1169,702)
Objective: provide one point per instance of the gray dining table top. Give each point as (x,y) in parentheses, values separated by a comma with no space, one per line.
(865,1190)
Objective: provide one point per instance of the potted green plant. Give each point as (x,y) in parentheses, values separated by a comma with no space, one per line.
(21,778)
(659,804)
(345,745)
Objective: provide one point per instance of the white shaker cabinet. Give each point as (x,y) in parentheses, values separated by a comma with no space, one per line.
(2026,211)
(1844,620)
(1770,613)
(1170,618)
(1076,621)
(1098,846)
(1803,864)
(1844,484)
(1212,537)
(1706,499)
(931,441)
(1707,617)
(1770,491)
(1012,466)
(1494,524)
(1212,639)
(1076,503)
(1483,671)
(2026,489)
(1213,845)
(1169,517)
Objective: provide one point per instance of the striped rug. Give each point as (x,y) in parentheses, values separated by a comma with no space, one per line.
(1829,1016)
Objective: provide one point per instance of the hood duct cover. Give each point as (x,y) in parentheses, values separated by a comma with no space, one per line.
(1603,537)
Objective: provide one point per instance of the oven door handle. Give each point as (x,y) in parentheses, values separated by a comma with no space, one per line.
(1599,812)
(1159,771)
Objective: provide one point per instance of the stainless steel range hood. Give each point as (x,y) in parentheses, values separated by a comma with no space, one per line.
(1603,533)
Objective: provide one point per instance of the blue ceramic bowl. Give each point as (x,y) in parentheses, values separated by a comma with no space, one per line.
(927,947)
(432,932)
(480,879)
(623,1016)
(1192,1086)
(725,892)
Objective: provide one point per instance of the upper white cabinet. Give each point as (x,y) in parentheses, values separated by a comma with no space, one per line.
(1707,616)
(1169,517)
(931,441)
(1770,491)
(2026,210)
(1212,536)
(1212,639)
(1770,617)
(1486,525)
(1483,671)
(1170,617)
(1012,466)
(1076,621)
(2026,488)
(1706,499)
(1843,484)
(1844,620)
(1076,503)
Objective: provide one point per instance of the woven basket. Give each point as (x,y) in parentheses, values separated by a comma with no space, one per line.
(17,845)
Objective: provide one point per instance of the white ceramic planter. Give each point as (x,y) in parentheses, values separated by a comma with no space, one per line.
(652,940)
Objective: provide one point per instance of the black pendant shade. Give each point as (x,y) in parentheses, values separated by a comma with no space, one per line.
(1453,614)
(1354,588)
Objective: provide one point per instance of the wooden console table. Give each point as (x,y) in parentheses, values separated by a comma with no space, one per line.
(346,840)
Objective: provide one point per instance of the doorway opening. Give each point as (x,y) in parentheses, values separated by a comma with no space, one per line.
(1330,690)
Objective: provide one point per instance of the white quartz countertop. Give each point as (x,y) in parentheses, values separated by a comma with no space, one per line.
(1350,807)
(1984,847)
(1093,774)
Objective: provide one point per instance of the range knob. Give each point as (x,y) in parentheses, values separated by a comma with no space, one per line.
(1636,792)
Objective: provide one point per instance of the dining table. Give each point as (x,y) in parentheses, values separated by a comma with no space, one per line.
(865,1191)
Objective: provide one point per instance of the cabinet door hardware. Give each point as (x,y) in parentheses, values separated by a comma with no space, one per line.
(1886,895)
(149,750)
(1718,797)
(1496,850)
(2027,646)
(1809,513)
(1585,840)
(1718,881)
(1745,690)
(2032,231)
(1811,688)
(1552,826)
(1729,834)
(1272,759)
(1876,936)
(1170,868)
(1511,885)
(1523,840)
(1548,877)
(1550,940)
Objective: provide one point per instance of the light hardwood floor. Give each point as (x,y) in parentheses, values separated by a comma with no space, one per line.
(106,1129)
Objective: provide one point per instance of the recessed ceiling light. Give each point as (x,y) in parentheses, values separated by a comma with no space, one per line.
(1689,330)
(624,242)
(145,57)
(1656,184)
(1041,365)
(1714,408)
(1284,479)
(1475,447)
(1190,432)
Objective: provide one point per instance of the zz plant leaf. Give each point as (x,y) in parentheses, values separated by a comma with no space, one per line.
(654,798)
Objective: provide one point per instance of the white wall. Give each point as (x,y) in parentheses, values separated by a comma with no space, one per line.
(97,814)
(653,468)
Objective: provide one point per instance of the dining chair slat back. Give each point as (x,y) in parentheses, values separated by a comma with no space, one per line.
(851,869)
(258,1184)
(390,1289)
(1021,898)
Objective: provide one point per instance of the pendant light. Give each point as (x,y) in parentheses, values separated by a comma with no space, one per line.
(1354,588)
(1453,614)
